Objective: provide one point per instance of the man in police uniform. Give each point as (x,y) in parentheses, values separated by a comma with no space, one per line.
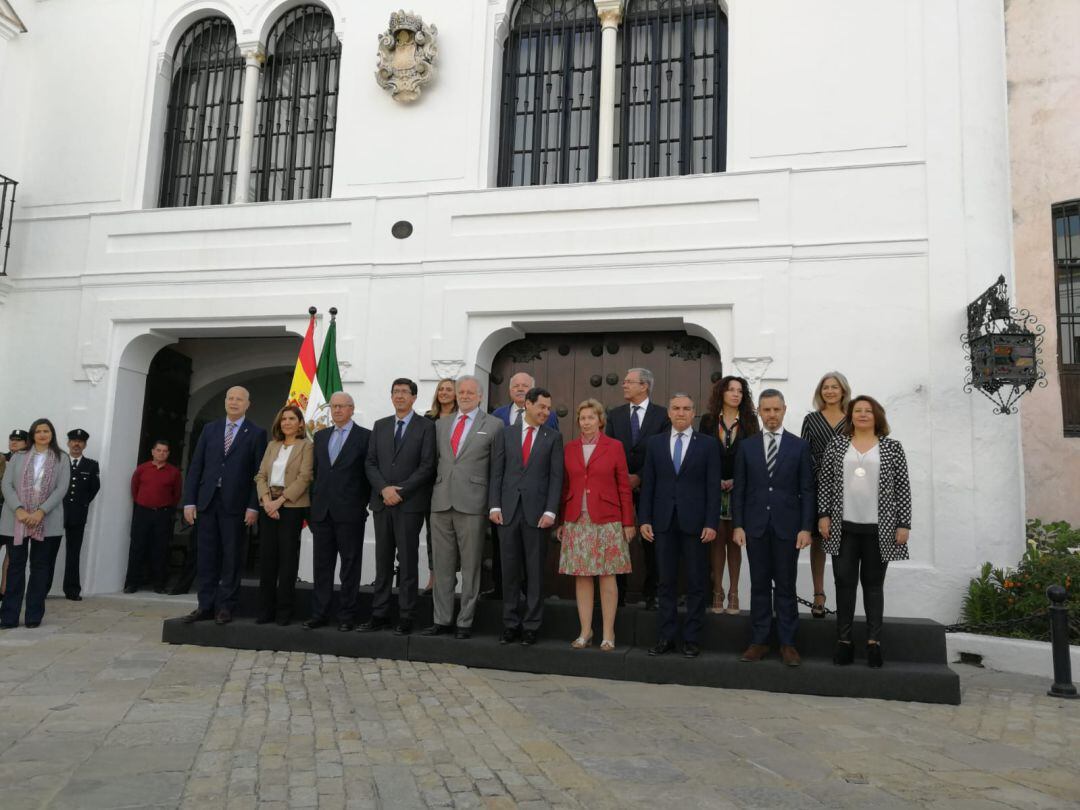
(85,483)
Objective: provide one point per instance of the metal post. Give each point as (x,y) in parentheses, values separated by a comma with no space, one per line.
(1059,642)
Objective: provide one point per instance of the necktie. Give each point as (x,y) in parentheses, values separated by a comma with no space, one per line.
(230,434)
(398,434)
(635,425)
(526,448)
(770,454)
(336,438)
(676,458)
(517,415)
(459,429)
(74,464)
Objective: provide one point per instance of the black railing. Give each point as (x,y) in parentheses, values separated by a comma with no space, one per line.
(7,210)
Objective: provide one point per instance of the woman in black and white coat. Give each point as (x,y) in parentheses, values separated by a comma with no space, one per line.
(864,517)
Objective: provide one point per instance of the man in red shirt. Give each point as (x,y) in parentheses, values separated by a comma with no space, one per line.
(155,487)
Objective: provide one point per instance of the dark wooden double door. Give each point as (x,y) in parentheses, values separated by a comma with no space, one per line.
(575,367)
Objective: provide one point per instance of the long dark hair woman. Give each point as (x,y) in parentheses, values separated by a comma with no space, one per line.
(864,508)
(32,521)
(730,419)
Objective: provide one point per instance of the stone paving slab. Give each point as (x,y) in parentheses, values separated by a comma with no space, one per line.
(95,712)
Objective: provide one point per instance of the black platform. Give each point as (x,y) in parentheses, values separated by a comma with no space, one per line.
(915,668)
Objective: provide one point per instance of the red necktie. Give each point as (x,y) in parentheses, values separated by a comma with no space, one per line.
(459,429)
(527,447)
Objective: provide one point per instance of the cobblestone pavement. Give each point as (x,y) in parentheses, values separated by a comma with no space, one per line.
(96,712)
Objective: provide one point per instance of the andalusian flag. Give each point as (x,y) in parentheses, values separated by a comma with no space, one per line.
(304,378)
(327,380)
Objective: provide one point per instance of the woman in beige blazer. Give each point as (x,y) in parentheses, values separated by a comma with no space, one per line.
(284,485)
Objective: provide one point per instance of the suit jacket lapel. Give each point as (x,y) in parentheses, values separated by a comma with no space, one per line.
(404,434)
(240,433)
(477,425)
(344,445)
(647,417)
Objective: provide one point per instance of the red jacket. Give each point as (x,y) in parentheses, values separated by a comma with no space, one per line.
(605,479)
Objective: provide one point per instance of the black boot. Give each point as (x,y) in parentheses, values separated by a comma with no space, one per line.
(873,656)
(844,653)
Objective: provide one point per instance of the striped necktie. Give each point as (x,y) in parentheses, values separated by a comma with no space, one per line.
(770,454)
(230,434)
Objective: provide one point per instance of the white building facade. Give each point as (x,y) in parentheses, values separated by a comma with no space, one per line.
(854,198)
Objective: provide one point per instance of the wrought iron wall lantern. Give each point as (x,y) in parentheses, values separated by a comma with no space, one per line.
(1003,346)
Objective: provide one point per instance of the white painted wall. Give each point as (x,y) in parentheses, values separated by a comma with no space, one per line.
(865,206)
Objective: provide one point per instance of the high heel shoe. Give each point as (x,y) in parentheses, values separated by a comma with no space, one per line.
(818,611)
(718,602)
(581,642)
(732,603)
(844,653)
(607,645)
(873,656)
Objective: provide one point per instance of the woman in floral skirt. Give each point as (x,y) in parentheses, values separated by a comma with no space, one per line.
(597,520)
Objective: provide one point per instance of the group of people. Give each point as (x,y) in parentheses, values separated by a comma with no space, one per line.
(45,497)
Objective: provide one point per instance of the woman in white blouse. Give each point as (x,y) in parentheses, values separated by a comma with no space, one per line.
(284,485)
(864,503)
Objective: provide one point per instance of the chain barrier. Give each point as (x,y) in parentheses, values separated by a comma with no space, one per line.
(1004,624)
(811,605)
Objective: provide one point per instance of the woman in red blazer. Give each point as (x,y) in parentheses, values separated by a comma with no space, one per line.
(597,520)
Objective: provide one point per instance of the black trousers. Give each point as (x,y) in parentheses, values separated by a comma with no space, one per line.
(521,549)
(859,560)
(279,559)
(40,553)
(151,530)
(397,533)
(73,538)
(773,566)
(222,548)
(332,539)
(670,547)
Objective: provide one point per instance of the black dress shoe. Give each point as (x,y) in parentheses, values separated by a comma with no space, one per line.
(32,625)
(73,597)
(690,650)
(346,627)
(463,632)
(510,635)
(159,589)
(494,593)
(437,630)
(198,616)
(264,620)
(315,624)
(528,638)
(663,647)
(873,656)
(371,625)
(650,603)
(284,621)
(8,626)
(403,628)
(844,654)
(130,589)
(223,617)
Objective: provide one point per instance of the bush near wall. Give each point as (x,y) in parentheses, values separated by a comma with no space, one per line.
(1000,594)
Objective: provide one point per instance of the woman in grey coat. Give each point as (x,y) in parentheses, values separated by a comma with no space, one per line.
(32,521)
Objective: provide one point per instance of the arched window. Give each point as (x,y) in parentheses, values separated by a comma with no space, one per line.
(296,119)
(203,120)
(551,87)
(672,116)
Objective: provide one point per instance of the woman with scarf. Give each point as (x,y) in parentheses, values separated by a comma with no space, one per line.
(32,521)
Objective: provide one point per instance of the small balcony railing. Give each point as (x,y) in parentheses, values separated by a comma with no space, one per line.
(7,210)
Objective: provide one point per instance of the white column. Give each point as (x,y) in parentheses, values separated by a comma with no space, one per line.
(254,56)
(610,12)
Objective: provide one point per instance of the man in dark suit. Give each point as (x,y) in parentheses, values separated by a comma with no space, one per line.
(773,504)
(524,492)
(85,484)
(520,384)
(401,468)
(633,424)
(339,499)
(680,512)
(220,492)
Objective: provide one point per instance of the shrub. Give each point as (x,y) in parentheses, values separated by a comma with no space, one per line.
(1052,557)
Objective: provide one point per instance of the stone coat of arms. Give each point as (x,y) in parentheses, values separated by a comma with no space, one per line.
(407,52)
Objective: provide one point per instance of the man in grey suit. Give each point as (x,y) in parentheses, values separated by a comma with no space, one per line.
(524,494)
(459,506)
(400,466)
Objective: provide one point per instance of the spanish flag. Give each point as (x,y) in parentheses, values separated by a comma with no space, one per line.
(304,374)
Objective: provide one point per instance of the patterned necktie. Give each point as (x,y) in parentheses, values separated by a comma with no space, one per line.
(517,415)
(635,425)
(770,454)
(459,429)
(230,434)
(526,448)
(336,439)
(398,434)
(676,457)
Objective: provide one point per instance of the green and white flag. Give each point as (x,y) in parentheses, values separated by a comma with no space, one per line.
(327,380)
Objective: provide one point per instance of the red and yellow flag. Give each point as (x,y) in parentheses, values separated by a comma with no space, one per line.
(304,374)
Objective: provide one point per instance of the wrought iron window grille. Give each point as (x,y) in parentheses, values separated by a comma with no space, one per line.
(1003,345)
(1066,236)
(296,117)
(7,215)
(203,119)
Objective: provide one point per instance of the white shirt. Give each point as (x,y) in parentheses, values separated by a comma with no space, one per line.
(525,431)
(642,407)
(470,419)
(38,460)
(861,491)
(779,435)
(277,470)
(686,434)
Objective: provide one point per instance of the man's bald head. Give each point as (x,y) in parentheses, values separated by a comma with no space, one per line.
(237,402)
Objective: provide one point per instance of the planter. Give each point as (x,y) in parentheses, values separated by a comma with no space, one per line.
(1010,654)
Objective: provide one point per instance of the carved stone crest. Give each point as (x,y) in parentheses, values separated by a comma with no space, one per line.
(407,52)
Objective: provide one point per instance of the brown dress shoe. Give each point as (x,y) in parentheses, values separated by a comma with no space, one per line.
(789,655)
(755,652)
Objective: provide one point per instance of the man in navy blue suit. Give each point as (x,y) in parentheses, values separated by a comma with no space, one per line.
(679,511)
(773,505)
(520,384)
(220,492)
